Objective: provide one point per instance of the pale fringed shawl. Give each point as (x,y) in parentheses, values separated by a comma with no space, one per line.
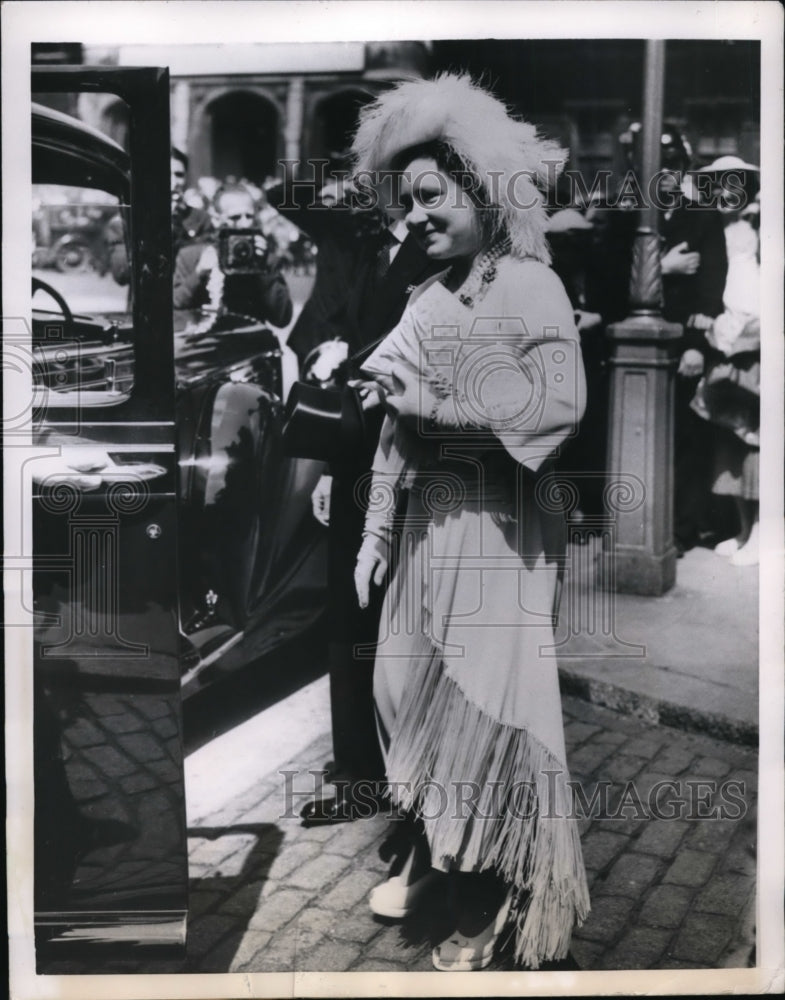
(532,841)
(465,679)
(507,156)
(527,386)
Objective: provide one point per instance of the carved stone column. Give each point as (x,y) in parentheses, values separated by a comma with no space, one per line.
(294,118)
(640,557)
(181,107)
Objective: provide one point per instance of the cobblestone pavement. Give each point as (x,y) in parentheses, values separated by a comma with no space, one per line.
(109,797)
(268,895)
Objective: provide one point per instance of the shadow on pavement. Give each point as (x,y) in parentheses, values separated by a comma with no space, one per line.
(234,698)
(225,899)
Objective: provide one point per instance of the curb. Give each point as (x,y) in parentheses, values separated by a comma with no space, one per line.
(658,711)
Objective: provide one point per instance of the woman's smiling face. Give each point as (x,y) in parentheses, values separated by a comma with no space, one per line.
(439,214)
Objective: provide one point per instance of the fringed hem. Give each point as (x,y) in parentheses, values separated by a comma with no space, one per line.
(492,797)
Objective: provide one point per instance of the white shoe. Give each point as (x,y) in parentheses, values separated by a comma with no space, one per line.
(728,547)
(747,555)
(470,954)
(395,899)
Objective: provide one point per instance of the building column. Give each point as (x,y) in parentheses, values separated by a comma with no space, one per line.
(294,119)
(640,557)
(181,102)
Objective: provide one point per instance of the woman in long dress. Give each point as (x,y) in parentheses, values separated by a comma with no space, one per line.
(482,382)
(728,395)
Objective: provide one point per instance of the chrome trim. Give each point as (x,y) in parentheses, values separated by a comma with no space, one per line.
(157,927)
(111,423)
(194,672)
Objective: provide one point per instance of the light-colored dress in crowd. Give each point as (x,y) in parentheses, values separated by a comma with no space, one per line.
(728,395)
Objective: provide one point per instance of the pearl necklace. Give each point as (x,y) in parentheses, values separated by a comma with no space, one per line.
(482,273)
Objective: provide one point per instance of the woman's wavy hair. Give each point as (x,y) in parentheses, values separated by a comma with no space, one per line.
(500,161)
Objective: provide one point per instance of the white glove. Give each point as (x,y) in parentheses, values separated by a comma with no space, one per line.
(412,399)
(371,393)
(691,363)
(586,320)
(372,562)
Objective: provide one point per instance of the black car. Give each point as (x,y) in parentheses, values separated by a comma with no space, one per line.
(173,540)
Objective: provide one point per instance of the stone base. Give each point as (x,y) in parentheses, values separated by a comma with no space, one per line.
(630,570)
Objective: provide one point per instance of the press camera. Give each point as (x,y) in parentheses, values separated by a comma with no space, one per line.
(237,252)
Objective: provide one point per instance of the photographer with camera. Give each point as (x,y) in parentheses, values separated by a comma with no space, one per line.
(231,271)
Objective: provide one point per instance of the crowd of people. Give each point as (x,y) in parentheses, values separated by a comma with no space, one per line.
(288,246)
(710,254)
(467,324)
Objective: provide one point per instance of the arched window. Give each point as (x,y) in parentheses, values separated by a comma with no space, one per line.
(243,136)
(334,123)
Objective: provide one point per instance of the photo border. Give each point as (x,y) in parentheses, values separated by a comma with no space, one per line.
(184,22)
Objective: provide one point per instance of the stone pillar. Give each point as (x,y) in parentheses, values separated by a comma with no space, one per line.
(640,557)
(181,106)
(294,119)
(200,134)
(641,552)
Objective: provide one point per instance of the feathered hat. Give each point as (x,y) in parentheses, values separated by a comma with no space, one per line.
(506,156)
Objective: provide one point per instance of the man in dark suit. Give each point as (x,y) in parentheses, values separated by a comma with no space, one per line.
(694,266)
(366,266)
(188,223)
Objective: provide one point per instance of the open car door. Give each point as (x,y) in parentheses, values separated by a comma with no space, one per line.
(110,836)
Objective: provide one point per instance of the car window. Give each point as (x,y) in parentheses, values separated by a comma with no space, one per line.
(80,293)
(81,265)
(79,248)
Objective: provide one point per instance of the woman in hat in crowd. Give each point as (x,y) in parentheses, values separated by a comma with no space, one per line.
(482,382)
(728,395)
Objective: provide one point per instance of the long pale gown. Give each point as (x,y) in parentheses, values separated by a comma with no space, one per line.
(465,678)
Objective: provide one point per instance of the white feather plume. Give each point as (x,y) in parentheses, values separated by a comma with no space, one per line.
(507,156)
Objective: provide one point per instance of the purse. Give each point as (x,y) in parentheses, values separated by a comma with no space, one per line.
(328,423)
(323,424)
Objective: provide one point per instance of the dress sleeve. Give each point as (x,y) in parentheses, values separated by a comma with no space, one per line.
(382,492)
(521,373)
(406,344)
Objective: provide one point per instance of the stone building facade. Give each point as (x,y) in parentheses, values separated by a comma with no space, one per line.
(238,110)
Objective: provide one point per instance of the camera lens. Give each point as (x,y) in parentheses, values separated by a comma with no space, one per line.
(243,251)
